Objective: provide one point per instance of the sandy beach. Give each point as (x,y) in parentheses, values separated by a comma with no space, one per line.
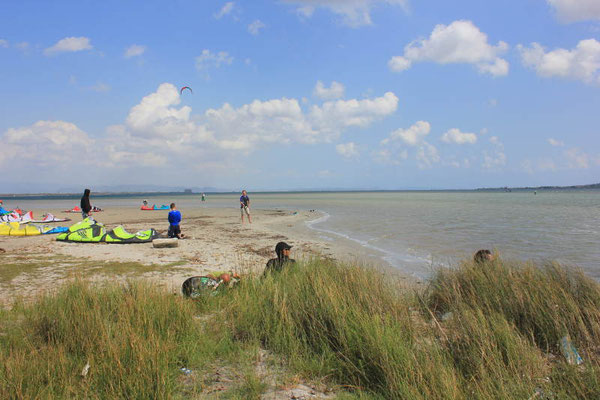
(216,241)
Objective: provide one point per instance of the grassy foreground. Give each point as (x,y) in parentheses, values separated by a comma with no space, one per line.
(475,332)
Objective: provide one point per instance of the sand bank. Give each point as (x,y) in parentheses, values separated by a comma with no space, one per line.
(217,241)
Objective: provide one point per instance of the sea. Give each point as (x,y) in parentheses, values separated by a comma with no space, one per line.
(417,231)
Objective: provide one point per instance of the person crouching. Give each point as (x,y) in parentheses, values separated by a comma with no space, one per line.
(174,220)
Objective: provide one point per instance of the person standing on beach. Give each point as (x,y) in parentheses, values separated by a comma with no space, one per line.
(245,206)
(203,197)
(86,206)
(174,220)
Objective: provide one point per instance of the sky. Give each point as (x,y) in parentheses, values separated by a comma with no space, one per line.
(299,94)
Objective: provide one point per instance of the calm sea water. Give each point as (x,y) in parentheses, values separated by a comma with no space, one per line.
(415,230)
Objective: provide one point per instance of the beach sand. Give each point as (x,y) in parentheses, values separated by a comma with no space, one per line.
(216,241)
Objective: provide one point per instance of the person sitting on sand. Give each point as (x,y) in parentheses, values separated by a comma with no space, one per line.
(483,256)
(282,249)
(174,220)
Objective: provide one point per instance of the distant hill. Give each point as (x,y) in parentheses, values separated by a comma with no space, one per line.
(574,187)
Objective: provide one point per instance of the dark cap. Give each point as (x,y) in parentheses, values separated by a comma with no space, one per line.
(282,246)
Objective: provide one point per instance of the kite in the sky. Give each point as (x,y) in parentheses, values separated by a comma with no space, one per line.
(185,87)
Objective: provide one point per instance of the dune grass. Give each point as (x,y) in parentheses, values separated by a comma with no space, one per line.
(476,332)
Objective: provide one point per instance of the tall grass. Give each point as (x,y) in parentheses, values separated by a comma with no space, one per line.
(476,332)
(134,338)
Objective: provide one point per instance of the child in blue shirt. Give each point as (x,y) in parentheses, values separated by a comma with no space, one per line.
(174,220)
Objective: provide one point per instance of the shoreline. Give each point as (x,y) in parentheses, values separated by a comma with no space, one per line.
(216,242)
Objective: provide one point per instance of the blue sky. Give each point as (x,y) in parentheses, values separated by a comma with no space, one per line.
(298,94)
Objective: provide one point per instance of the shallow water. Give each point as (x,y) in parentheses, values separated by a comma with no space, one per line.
(417,230)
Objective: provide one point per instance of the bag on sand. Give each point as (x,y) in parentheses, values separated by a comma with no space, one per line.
(197,286)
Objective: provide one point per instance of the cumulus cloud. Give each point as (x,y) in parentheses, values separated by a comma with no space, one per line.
(347,150)
(134,50)
(454,135)
(581,63)
(255,27)
(411,136)
(335,91)
(354,13)
(225,10)
(208,59)
(459,42)
(556,143)
(426,154)
(46,144)
(69,44)
(576,10)
(160,132)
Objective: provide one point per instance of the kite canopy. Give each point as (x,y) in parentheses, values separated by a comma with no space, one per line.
(16,229)
(155,207)
(89,231)
(185,87)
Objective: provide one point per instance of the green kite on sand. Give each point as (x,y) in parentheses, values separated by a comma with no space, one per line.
(90,231)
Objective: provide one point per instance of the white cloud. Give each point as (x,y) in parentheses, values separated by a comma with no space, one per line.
(411,136)
(134,50)
(46,144)
(581,63)
(255,27)
(208,59)
(159,131)
(3,43)
(225,10)
(335,91)
(556,143)
(354,13)
(459,42)
(492,102)
(576,10)
(454,135)
(69,44)
(347,150)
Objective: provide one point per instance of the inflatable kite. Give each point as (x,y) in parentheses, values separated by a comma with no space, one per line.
(16,217)
(155,207)
(16,229)
(75,209)
(89,231)
(185,87)
(47,218)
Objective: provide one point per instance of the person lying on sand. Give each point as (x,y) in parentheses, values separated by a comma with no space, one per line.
(174,220)
(282,249)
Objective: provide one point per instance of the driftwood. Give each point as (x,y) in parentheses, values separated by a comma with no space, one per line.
(162,243)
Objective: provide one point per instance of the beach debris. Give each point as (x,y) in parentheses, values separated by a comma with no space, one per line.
(85,370)
(165,243)
(186,371)
(569,351)
(446,316)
